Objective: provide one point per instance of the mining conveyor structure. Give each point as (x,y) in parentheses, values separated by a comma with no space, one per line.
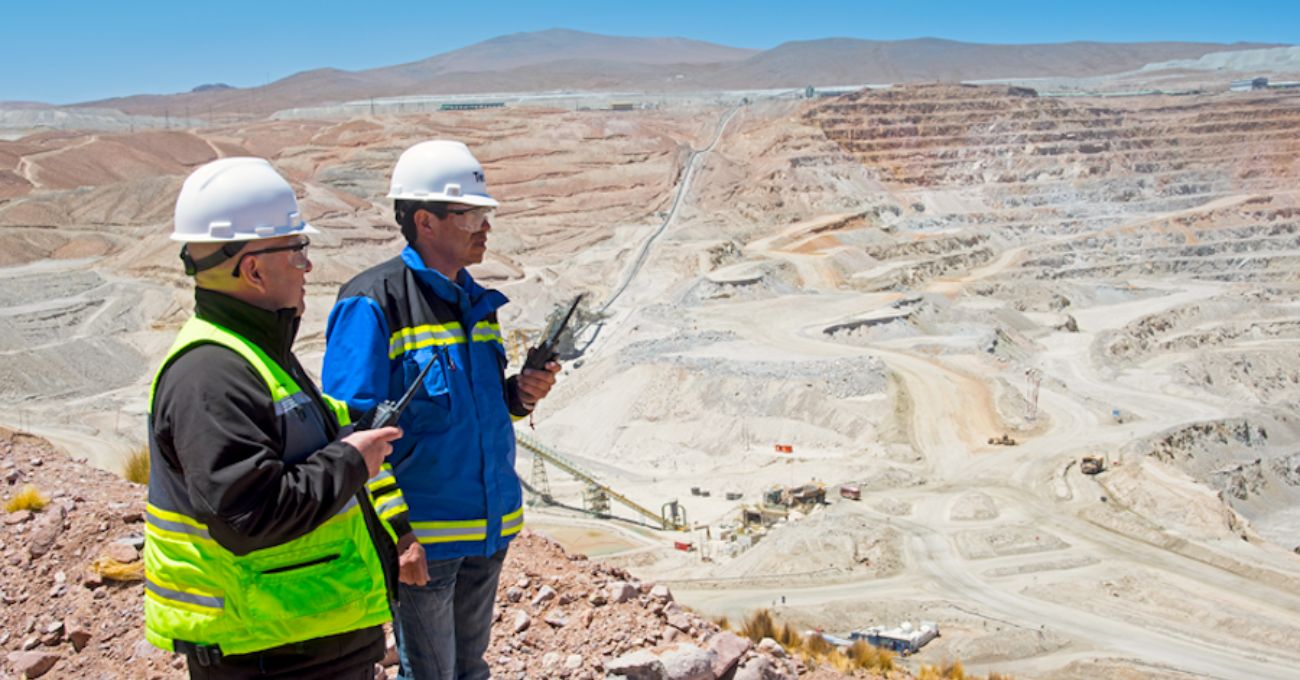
(672,516)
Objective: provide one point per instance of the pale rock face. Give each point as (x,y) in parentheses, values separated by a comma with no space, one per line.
(521,622)
(639,665)
(761,668)
(772,647)
(688,662)
(45,530)
(32,664)
(621,591)
(728,648)
(661,593)
(544,595)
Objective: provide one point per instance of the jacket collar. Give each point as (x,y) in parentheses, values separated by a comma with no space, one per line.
(472,301)
(273,332)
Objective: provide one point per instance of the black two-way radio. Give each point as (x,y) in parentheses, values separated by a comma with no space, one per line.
(545,352)
(386,412)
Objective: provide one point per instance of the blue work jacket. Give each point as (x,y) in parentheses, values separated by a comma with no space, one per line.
(455,463)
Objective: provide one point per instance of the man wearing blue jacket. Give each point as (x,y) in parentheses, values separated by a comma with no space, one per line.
(450,489)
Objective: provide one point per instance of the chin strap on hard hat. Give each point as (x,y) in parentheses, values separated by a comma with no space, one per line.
(227,251)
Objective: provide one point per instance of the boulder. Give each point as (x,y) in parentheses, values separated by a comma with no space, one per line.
(544,595)
(621,591)
(638,665)
(679,620)
(556,620)
(121,552)
(521,623)
(728,649)
(772,647)
(32,664)
(78,634)
(661,593)
(760,668)
(45,531)
(688,662)
(18,517)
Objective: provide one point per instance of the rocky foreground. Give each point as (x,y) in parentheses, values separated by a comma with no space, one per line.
(70,582)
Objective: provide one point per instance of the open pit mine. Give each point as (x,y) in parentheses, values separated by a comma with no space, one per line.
(1024,366)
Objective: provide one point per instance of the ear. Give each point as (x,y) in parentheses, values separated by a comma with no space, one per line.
(424,220)
(251,272)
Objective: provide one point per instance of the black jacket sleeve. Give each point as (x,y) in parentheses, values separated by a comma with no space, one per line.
(514,401)
(217,415)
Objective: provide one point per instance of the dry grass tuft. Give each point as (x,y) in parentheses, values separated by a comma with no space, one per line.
(817,646)
(112,570)
(27,498)
(136,468)
(815,649)
(789,637)
(952,670)
(864,655)
(759,625)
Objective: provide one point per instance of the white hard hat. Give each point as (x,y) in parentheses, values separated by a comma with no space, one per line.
(236,199)
(440,170)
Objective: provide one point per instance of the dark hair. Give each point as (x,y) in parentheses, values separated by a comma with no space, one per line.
(404,213)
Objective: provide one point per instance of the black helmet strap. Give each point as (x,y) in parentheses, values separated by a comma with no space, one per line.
(227,251)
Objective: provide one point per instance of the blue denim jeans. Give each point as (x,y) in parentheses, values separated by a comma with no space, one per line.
(443,627)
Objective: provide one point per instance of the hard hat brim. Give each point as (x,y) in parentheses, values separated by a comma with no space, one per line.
(476,200)
(206,238)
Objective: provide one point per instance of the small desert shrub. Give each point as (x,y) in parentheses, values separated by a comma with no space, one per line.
(789,637)
(136,467)
(759,625)
(27,498)
(951,670)
(818,646)
(723,623)
(815,650)
(866,656)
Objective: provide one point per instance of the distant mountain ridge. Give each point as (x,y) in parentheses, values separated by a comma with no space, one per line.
(561,59)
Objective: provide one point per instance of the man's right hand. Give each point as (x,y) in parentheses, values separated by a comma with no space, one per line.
(412,568)
(374,446)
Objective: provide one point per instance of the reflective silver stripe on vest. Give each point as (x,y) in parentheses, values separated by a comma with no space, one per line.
(486,333)
(383,475)
(463,533)
(190,598)
(512,524)
(291,402)
(352,503)
(389,505)
(408,341)
(176,527)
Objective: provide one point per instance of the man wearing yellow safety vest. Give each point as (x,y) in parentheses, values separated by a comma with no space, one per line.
(264,556)
(455,468)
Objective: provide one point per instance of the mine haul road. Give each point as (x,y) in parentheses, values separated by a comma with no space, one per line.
(951,415)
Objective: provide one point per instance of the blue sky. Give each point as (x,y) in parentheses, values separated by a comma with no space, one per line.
(64,52)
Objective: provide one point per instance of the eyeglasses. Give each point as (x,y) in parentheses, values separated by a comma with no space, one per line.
(477,216)
(299,259)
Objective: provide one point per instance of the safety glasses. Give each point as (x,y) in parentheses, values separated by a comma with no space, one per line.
(474,218)
(299,259)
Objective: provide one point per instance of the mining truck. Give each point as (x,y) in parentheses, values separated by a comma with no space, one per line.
(1091,465)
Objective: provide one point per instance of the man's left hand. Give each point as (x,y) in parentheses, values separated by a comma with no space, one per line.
(534,385)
